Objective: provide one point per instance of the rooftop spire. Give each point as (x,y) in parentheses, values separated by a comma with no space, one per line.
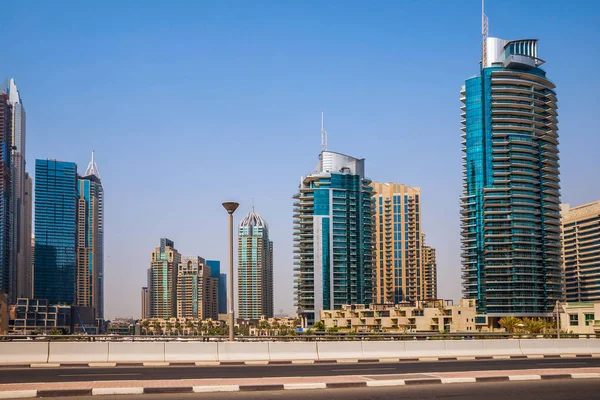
(92,168)
(484,35)
(323,133)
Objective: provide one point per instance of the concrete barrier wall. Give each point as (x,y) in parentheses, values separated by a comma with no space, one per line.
(508,347)
(425,348)
(18,352)
(457,348)
(380,350)
(191,351)
(136,351)
(243,351)
(23,352)
(280,351)
(530,347)
(69,352)
(339,350)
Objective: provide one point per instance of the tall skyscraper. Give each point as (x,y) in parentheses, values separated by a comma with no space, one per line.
(215,270)
(163,271)
(581,251)
(429,263)
(196,289)
(145,303)
(8,279)
(333,232)
(255,268)
(510,220)
(90,237)
(55,231)
(399,273)
(21,216)
(25,269)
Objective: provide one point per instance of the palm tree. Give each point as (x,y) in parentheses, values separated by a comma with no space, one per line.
(145,326)
(178,328)
(534,326)
(510,323)
(169,327)
(157,328)
(190,326)
(319,326)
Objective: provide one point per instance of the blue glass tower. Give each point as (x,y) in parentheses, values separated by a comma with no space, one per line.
(510,209)
(7,265)
(215,271)
(333,241)
(55,231)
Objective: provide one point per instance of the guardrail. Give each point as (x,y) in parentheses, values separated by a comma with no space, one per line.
(33,352)
(315,337)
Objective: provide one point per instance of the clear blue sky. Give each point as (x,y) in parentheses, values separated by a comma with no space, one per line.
(188,104)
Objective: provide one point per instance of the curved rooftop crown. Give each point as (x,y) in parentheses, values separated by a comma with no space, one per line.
(332,162)
(252,220)
(92,168)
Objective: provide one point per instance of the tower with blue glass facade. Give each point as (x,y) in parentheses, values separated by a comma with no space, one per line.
(7,264)
(510,209)
(55,260)
(333,230)
(90,240)
(215,271)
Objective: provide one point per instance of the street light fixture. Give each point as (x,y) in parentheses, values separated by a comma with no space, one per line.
(230,206)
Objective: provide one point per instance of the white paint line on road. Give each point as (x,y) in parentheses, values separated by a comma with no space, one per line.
(389,360)
(465,358)
(206,363)
(299,386)
(115,374)
(428,359)
(389,382)
(48,365)
(361,369)
(18,394)
(524,378)
(585,376)
(459,380)
(260,362)
(348,361)
(501,357)
(107,364)
(156,364)
(216,388)
(113,391)
(303,361)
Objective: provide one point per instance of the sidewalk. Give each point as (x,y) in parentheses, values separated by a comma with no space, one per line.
(27,390)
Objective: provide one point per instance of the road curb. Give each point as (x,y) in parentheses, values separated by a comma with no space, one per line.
(21,394)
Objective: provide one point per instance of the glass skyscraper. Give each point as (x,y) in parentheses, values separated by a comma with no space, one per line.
(510,209)
(90,240)
(333,230)
(55,231)
(7,264)
(215,270)
(255,268)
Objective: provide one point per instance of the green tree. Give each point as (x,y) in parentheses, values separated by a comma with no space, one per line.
(157,328)
(510,323)
(534,326)
(169,327)
(319,326)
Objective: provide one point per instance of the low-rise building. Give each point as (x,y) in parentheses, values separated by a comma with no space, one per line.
(421,316)
(580,318)
(37,316)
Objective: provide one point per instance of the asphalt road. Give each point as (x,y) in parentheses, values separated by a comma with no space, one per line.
(577,389)
(81,374)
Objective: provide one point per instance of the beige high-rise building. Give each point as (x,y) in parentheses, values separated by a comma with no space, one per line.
(581,251)
(196,289)
(163,280)
(398,262)
(429,264)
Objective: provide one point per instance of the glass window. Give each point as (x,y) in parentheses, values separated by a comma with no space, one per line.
(573,319)
(589,319)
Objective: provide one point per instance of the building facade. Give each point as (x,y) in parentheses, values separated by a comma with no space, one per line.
(55,261)
(510,219)
(163,271)
(333,229)
(399,272)
(421,316)
(8,279)
(215,271)
(581,251)
(145,303)
(429,263)
(90,216)
(21,218)
(196,289)
(255,268)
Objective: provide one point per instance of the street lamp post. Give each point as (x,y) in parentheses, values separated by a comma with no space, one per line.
(230,206)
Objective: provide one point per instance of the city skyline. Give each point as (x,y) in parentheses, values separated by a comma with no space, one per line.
(358,111)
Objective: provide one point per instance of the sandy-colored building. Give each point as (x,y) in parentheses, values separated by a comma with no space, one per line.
(580,317)
(163,280)
(400,254)
(581,251)
(422,316)
(196,289)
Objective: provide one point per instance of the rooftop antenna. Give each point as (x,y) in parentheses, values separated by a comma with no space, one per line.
(484,35)
(253,204)
(323,133)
